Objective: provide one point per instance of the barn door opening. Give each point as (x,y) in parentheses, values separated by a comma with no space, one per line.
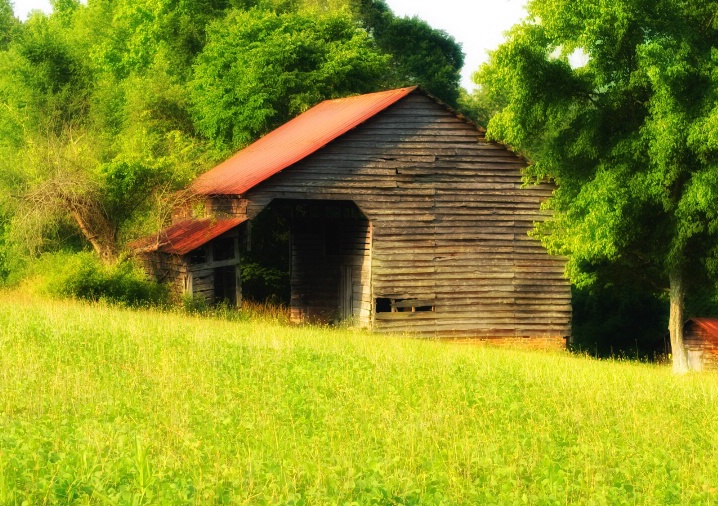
(225,285)
(327,246)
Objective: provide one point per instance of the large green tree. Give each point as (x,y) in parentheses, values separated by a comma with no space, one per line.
(91,140)
(628,130)
(260,68)
(420,54)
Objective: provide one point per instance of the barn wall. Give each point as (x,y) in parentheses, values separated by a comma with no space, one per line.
(166,268)
(450,218)
(203,273)
(183,276)
(698,340)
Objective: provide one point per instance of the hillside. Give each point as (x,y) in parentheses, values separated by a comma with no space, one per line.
(101,405)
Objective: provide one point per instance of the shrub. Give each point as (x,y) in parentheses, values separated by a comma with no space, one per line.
(83,276)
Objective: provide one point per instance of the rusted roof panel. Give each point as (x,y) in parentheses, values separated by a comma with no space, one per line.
(293,141)
(710,325)
(183,237)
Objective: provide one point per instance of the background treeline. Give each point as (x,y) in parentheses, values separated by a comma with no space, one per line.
(108,109)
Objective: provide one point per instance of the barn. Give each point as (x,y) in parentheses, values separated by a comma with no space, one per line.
(700,338)
(403,218)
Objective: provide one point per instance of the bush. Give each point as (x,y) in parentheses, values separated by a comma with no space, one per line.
(619,321)
(83,276)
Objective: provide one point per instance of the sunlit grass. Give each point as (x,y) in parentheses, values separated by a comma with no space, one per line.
(100,405)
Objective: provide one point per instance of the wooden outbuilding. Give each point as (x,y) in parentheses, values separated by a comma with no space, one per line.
(700,338)
(196,257)
(403,218)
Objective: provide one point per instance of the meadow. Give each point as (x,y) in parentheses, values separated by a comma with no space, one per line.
(104,405)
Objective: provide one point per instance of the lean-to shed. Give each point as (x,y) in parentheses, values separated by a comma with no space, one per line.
(198,257)
(403,218)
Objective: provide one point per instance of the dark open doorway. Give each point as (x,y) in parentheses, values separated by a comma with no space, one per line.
(322,250)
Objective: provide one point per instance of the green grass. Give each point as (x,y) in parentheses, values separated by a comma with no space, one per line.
(100,405)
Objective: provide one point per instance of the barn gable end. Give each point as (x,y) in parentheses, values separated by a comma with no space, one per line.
(445,249)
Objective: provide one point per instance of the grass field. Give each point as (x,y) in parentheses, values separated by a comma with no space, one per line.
(101,405)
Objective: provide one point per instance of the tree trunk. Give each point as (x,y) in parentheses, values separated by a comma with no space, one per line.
(676,320)
(104,248)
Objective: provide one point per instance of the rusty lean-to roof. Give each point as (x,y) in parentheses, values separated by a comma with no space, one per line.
(293,141)
(710,325)
(185,236)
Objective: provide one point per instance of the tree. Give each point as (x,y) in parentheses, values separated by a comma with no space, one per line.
(92,136)
(8,24)
(631,137)
(420,55)
(477,105)
(260,68)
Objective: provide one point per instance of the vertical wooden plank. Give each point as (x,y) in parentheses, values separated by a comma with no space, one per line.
(346,293)
(188,288)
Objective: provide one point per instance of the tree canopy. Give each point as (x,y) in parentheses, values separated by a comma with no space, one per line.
(630,137)
(108,108)
(260,68)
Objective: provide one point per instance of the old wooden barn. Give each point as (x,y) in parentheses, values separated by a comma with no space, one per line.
(402,217)
(700,337)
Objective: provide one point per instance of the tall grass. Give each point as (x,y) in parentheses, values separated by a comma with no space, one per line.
(103,405)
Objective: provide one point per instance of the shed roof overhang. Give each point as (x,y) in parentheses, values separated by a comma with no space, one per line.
(185,236)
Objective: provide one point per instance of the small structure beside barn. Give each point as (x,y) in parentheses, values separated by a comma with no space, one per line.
(402,218)
(196,257)
(700,338)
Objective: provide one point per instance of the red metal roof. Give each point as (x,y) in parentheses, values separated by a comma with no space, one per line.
(710,325)
(183,237)
(293,141)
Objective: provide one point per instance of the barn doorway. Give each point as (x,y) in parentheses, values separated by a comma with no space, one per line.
(327,244)
(225,285)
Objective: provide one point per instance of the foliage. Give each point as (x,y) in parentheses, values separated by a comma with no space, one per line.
(421,55)
(8,24)
(477,105)
(267,311)
(260,68)
(628,136)
(103,405)
(90,143)
(264,283)
(619,321)
(83,276)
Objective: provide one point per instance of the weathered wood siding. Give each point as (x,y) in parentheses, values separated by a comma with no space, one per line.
(449,217)
(166,268)
(701,346)
(183,276)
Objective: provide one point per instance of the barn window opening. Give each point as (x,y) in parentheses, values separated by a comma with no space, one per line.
(198,256)
(223,249)
(387,305)
(383,305)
